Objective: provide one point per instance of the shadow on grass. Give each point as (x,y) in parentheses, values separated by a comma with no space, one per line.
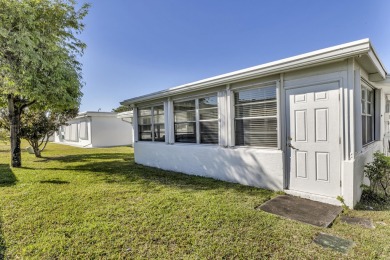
(2,240)
(7,177)
(89,157)
(373,202)
(120,168)
(55,181)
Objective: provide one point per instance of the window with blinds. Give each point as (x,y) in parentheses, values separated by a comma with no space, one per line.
(367,115)
(151,125)
(256,117)
(196,121)
(208,120)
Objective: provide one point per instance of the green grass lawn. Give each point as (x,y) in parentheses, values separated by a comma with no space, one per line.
(97,203)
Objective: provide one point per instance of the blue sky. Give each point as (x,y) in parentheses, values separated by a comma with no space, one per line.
(136,47)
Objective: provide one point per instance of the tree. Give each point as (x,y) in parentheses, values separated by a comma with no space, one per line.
(39,54)
(37,126)
(121,108)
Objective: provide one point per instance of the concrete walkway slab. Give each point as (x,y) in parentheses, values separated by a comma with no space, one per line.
(363,222)
(303,210)
(335,243)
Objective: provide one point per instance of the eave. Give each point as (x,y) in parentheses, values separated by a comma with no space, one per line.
(323,56)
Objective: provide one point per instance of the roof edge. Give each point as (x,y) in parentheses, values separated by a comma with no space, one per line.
(288,64)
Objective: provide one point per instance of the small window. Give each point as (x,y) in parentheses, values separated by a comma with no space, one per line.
(368,123)
(84,130)
(256,117)
(196,121)
(151,125)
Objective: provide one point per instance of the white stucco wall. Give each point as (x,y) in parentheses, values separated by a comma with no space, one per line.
(266,168)
(110,131)
(248,166)
(104,130)
(361,160)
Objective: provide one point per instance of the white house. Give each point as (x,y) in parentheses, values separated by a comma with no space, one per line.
(305,125)
(96,129)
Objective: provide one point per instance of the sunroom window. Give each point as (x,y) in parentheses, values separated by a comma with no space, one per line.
(196,120)
(256,117)
(151,124)
(367,115)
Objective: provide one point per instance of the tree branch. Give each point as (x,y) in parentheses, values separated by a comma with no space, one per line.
(27,105)
(47,140)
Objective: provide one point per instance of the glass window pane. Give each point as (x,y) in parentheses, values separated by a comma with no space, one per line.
(185,132)
(159,119)
(363,94)
(184,106)
(364,131)
(369,106)
(208,114)
(370,136)
(159,132)
(251,128)
(253,95)
(256,110)
(256,132)
(158,110)
(368,112)
(145,132)
(185,116)
(209,132)
(208,102)
(369,95)
(145,111)
(145,120)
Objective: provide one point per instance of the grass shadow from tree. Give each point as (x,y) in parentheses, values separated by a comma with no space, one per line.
(121,168)
(7,177)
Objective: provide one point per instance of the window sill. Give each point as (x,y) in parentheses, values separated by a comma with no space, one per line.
(368,146)
(256,147)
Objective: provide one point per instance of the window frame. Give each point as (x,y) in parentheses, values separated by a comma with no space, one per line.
(197,118)
(364,112)
(233,117)
(152,122)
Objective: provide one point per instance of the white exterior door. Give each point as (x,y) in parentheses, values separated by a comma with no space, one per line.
(313,139)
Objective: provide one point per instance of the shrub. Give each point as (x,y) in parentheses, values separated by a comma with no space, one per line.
(378,172)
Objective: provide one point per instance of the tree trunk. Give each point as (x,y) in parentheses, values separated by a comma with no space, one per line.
(14,119)
(35,146)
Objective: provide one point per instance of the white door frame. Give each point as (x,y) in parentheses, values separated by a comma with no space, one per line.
(285,142)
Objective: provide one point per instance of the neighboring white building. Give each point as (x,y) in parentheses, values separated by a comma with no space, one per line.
(306,124)
(96,129)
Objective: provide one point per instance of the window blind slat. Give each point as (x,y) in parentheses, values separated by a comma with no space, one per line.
(251,95)
(209,132)
(207,114)
(250,129)
(256,110)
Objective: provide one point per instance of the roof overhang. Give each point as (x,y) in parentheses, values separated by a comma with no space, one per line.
(362,50)
(126,114)
(95,114)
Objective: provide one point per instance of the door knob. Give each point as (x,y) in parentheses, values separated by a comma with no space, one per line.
(292,147)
